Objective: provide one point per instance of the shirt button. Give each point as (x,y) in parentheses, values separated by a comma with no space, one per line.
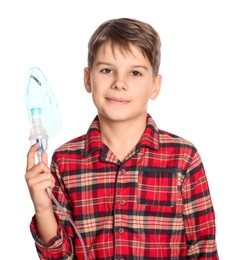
(123,171)
(122,202)
(121,230)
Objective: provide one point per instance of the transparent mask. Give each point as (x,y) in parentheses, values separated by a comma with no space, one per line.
(43,110)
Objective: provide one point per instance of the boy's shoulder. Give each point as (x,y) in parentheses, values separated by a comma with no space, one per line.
(168,138)
(74,144)
(163,137)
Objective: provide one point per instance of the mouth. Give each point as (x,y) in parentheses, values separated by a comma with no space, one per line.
(116,100)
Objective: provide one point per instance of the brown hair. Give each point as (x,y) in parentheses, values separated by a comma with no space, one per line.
(123,32)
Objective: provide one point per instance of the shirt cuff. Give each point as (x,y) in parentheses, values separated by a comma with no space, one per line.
(54,242)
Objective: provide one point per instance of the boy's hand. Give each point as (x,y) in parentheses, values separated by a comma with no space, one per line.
(39,178)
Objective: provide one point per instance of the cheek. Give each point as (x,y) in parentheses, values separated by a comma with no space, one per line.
(97,96)
(144,94)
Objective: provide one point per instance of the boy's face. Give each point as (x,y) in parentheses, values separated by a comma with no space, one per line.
(121,83)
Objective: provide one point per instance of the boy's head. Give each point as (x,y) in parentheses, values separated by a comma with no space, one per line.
(122,33)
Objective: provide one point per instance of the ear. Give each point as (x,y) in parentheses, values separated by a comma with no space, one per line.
(87,82)
(156,86)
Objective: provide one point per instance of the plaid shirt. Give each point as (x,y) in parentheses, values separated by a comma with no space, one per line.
(155,204)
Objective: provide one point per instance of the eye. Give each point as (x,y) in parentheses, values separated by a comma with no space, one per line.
(106,71)
(136,73)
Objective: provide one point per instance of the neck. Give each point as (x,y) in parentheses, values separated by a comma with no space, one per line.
(122,136)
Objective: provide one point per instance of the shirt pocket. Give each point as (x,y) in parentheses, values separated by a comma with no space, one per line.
(157,186)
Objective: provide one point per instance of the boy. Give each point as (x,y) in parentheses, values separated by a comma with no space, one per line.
(133,190)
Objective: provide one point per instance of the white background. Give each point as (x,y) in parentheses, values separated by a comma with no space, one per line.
(197,99)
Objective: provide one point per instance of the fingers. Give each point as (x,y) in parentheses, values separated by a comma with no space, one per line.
(40,182)
(38,178)
(38,185)
(36,170)
(33,170)
(31,156)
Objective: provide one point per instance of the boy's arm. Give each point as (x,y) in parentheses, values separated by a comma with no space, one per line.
(199,217)
(39,178)
(50,240)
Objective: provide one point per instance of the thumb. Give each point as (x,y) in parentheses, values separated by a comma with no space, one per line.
(31,156)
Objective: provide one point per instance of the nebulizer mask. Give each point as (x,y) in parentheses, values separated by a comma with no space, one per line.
(45,118)
(44,113)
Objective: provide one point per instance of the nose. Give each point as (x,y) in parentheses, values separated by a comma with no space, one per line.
(119,84)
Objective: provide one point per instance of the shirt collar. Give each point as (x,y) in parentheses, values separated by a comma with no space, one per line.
(94,142)
(93,138)
(150,136)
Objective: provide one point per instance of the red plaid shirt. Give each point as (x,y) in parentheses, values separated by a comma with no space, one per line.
(155,204)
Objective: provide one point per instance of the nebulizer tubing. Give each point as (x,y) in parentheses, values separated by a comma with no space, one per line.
(38,134)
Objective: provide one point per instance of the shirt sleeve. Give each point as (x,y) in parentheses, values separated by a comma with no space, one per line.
(59,247)
(198,213)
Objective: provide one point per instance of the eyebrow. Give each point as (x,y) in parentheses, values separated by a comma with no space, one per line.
(110,64)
